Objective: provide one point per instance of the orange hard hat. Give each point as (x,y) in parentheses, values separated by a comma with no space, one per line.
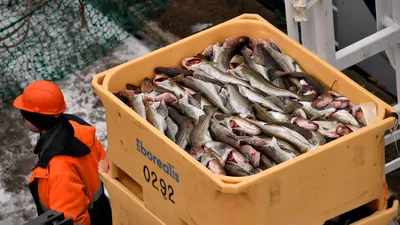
(42,97)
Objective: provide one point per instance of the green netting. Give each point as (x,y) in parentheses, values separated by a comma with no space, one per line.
(48,39)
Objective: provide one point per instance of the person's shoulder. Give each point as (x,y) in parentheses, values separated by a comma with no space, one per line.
(80,121)
(83,131)
(61,165)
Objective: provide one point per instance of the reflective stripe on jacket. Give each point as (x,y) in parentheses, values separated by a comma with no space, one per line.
(66,176)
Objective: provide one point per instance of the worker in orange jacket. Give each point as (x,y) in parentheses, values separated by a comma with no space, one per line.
(65,177)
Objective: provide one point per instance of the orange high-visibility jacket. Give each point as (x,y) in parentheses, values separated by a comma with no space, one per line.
(66,178)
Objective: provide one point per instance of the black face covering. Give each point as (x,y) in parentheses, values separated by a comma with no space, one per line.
(43,122)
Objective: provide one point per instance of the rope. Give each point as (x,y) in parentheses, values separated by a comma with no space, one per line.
(27,20)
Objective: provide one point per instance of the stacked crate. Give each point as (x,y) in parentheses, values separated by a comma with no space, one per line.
(151,178)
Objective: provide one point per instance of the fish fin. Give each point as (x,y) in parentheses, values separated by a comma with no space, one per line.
(220,116)
(197,97)
(210,109)
(162,109)
(315,117)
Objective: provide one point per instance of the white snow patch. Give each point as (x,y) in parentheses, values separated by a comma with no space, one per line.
(200,26)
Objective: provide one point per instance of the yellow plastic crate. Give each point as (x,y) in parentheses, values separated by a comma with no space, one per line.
(128,208)
(333,179)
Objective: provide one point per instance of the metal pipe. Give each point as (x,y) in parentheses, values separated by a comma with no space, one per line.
(368,47)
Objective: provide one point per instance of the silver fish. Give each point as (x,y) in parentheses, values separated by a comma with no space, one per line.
(256,140)
(345,117)
(270,116)
(261,84)
(257,98)
(135,101)
(300,113)
(209,91)
(329,128)
(220,149)
(185,127)
(169,98)
(172,129)
(206,68)
(236,123)
(307,124)
(236,158)
(286,63)
(250,154)
(189,110)
(266,162)
(317,139)
(271,149)
(223,134)
(235,170)
(156,113)
(284,133)
(222,54)
(313,113)
(201,134)
(247,56)
(209,160)
(239,103)
(167,83)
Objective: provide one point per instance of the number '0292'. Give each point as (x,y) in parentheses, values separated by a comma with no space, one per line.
(164,189)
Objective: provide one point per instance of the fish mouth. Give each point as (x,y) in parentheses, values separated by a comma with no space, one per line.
(234,64)
(343,130)
(160,78)
(188,62)
(234,125)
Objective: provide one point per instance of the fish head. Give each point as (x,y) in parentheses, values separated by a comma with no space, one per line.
(323,100)
(208,51)
(259,54)
(147,86)
(232,123)
(179,78)
(191,62)
(216,167)
(197,152)
(343,103)
(160,78)
(237,72)
(343,130)
(251,154)
(253,141)
(246,52)
(127,94)
(236,61)
(237,158)
(256,41)
(307,124)
(169,98)
(147,99)
(236,41)
(274,45)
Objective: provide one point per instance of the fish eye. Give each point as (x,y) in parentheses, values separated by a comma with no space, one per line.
(251,142)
